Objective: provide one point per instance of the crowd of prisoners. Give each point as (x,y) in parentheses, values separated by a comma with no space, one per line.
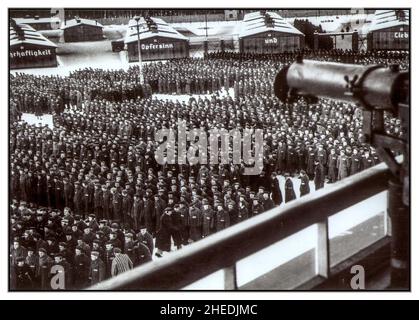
(90,186)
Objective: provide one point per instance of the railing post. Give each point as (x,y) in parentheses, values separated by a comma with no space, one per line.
(400,226)
(230,278)
(387,221)
(323,252)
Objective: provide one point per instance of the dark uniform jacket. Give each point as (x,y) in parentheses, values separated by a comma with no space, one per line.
(319,176)
(23,278)
(276,192)
(117,206)
(243,213)
(147,240)
(367,162)
(304,186)
(289,190)
(147,216)
(207,221)
(195,223)
(356,164)
(43,272)
(164,234)
(109,256)
(97,271)
(81,270)
(143,253)
(332,167)
(222,220)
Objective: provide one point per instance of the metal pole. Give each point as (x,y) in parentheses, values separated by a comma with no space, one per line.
(399,215)
(139,52)
(206,27)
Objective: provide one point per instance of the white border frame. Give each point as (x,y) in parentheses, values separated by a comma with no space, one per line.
(5,295)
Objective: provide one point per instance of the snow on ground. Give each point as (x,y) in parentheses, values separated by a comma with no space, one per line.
(55,33)
(198,53)
(60,70)
(31,119)
(96,54)
(185,97)
(179,98)
(113,32)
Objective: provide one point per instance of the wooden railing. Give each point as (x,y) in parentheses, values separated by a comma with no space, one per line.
(223,249)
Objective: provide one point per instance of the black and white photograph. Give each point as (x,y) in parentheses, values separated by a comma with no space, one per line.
(208,149)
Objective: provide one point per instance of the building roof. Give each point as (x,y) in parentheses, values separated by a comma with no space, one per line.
(163,30)
(254,23)
(30,36)
(384,19)
(34,20)
(80,21)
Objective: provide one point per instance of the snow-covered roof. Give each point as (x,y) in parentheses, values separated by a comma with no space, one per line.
(24,27)
(37,20)
(163,30)
(79,21)
(384,19)
(254,23)
(30,36)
